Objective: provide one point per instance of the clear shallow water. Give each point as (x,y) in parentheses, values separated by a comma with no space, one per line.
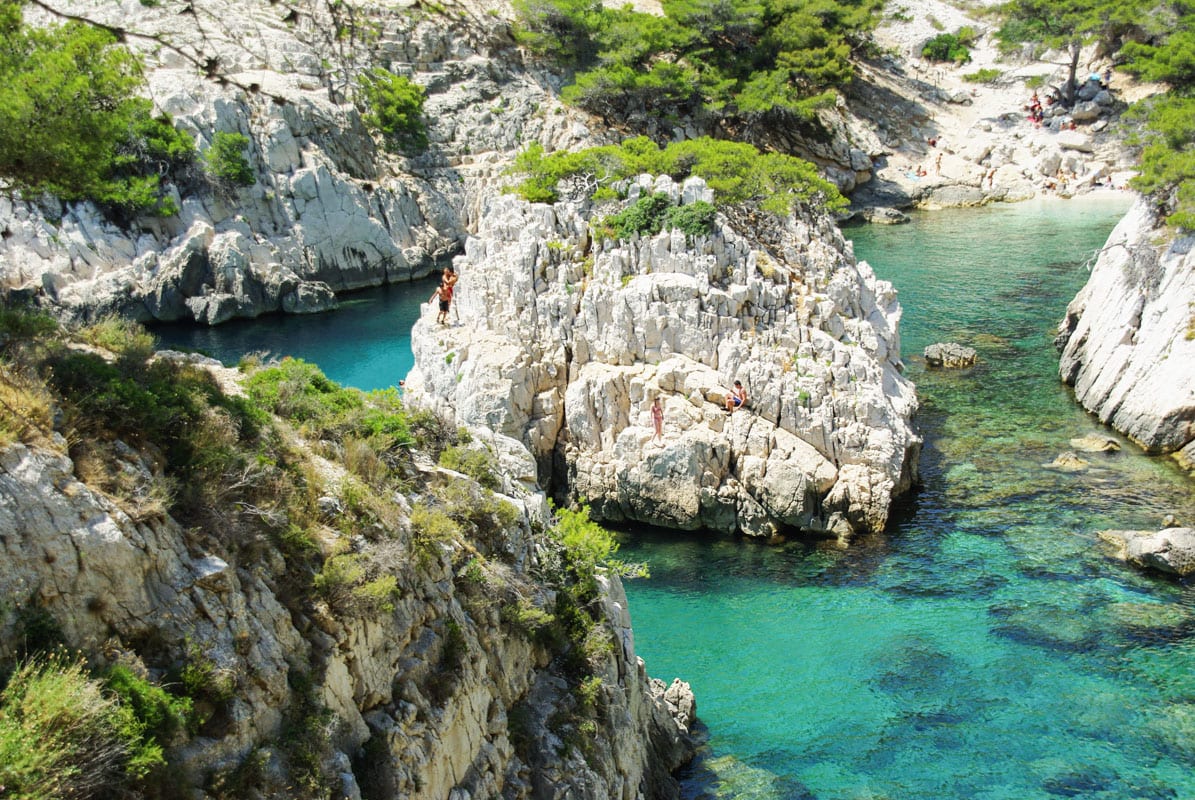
(985,646)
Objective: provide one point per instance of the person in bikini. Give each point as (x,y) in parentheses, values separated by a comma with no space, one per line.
(737,398)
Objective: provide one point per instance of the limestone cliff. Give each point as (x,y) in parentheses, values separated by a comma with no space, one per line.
(1128,338)
(565,338)
(435,686)
(330,209)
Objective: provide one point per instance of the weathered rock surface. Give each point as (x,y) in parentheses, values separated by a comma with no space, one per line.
(1094,443)
(565,340)
(330,209)
(1170,550)
(950,355)
(1126,342)
(122,588)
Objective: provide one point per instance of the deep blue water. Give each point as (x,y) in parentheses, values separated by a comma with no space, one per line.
(985,646)
(365,343)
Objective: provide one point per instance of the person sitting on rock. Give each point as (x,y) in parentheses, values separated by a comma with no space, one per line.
(737,398)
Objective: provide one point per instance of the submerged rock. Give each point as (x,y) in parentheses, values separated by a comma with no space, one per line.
(950,355)
(1069,462)
(565,340)
(1094,443)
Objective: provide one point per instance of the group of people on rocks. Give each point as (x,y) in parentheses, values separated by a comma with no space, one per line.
(736,398)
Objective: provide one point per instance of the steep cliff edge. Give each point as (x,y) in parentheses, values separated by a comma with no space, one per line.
(1128,338)
(361,623)
(565,338)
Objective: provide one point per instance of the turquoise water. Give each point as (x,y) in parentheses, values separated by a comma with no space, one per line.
(984,647)
(365,343)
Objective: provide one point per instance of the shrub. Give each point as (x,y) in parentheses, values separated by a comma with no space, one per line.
(61,736)
(478,463)
(395,106)
(588,545)
(225,161)
(986,75)
(74,125)
(737,172)
(163,715)
(946,47)
(299,391)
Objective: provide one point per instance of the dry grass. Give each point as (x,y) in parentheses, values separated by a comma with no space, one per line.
(26,412)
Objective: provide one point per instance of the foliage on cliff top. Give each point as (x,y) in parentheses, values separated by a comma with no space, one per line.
(749,60)
(737,172)
(73,125)
(1164,126)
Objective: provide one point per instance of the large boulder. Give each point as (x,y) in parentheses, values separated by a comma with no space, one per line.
(1170,550)
(565,340)
(1125,342)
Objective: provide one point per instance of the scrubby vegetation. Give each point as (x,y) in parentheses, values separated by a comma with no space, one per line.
(339,545)
(1164,126)
(953,47)
(749,61)
(225,161)
(63,736)
(737,172)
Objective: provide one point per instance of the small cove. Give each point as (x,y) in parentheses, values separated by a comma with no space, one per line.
(984,646)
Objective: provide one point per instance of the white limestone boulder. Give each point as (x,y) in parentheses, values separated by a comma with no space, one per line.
(564,341)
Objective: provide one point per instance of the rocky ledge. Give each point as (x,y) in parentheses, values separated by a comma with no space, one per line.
(1128,339)
(564,340)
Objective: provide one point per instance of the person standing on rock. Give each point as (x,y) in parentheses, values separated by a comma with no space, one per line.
(444,293)
(737,398)
(657,419)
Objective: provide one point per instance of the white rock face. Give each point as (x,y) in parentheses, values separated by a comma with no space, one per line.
(1170,550)
(564,341)
(111,581)
(330,209)
(1128,341)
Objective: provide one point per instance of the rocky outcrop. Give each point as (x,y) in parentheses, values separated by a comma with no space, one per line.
(1128,338)
(432,695)
(1170,550)
(330,210)
(950,355)
(565,339)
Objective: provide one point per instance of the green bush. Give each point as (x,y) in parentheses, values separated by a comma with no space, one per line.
(299,391)
(1165,128)
(986,75)
(225,161)
(61,736)
(478,463)
(746,60)
(737,172)
(947,47)
(395,108)
(163,715)
(73,124)
(589,546)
